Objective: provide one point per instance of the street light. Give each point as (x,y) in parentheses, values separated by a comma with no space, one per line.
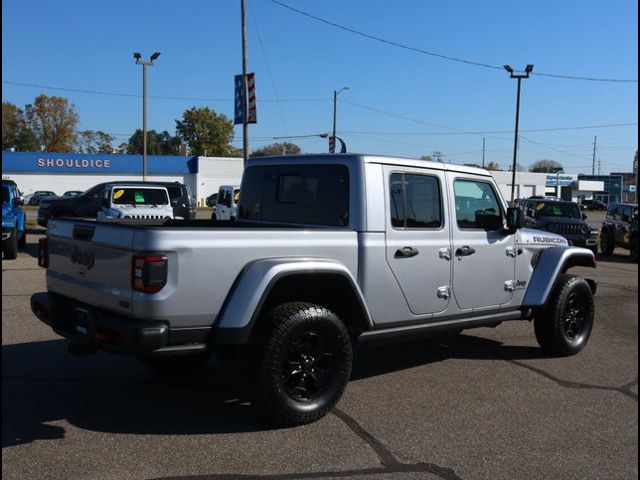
(153,57)
(528,69)
(335,102)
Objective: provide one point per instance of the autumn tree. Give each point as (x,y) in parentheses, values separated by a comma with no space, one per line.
(53,121)
(545,166)
(206,132)
(284,148)
(98,141)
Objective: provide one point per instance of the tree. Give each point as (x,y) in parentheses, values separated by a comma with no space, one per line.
(428,158)
(15,133)
(545,166)
(53,121)
(95,142)
(284,148)
(157,143)
(519,168)
(206,132)
(493,167)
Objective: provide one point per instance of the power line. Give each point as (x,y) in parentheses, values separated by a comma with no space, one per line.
(122,94)
(439,55)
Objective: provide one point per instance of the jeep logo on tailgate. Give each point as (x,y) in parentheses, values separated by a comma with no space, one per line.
(80,257)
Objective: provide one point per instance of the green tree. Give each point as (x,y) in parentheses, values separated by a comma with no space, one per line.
(493,167)
(53,121)
(157,143)
(428,158)
(284,148)
(545,166)
(206,132)
(95,142)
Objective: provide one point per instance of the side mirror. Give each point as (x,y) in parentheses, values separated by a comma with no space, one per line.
(18,201)
(515,218)
(584,216)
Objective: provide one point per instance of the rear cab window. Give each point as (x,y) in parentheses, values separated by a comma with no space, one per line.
(300,194)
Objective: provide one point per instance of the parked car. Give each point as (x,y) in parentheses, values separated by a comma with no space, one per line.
(36,197)
(14,233)
(327,251)
(227,203)
(564,218)
(72,193)
(620,229)
(594,205)
(141,202)
(89,203)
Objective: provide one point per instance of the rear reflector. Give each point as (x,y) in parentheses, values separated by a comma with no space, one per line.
(148,273)
(43,252)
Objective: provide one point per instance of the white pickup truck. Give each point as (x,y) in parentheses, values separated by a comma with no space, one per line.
(328,250)
(140,202)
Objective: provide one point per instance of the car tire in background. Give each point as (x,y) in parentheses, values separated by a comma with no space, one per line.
(607,244)
(10,246)
(22,241)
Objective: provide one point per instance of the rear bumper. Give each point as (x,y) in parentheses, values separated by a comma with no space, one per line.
(101,330)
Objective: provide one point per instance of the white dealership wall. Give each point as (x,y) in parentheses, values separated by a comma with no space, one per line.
(527,184)
(214,172)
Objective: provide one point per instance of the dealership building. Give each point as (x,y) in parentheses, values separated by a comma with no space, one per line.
(61,172)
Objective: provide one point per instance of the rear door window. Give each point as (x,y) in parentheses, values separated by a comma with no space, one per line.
(415,201)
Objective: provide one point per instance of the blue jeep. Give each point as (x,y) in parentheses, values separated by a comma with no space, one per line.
(14,234)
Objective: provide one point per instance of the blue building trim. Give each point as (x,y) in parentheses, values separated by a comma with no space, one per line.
(48,162)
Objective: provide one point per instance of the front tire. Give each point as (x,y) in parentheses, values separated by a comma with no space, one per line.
(564,325)
(10,246)
(22,242)
(299,363)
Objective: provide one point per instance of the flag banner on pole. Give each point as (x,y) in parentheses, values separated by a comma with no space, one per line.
(332,145)
(252,116)
(238,117)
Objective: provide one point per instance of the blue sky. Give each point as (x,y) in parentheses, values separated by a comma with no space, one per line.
(400,102)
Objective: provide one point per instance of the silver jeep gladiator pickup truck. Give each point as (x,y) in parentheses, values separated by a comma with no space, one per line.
(328,250)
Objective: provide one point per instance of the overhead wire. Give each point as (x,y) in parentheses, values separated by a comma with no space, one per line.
(440,55)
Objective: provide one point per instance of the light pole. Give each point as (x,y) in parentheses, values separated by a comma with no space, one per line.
(335,104)
(144,64)
(528,69)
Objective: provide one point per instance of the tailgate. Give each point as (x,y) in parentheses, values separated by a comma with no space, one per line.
(91,262)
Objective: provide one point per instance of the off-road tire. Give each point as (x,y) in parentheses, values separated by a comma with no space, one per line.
(607,244)
(304,337)
(633,249)
(10,246)
(175,364)
(22,241)
(564,325)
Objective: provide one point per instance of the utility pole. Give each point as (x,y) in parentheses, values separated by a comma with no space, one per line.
(599,166)
(593,161)
(245,100)
(528,69)
(335,108)
(482,152)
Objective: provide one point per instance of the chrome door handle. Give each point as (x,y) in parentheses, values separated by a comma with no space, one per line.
(406,252)
(465,251)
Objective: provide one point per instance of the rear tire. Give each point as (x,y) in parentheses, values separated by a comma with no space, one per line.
(633,249)
(606,243)
(22,242)
(176,364)
(10,246)
(564,325)
(298,364)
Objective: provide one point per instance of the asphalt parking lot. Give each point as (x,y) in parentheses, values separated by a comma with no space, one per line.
(484,405)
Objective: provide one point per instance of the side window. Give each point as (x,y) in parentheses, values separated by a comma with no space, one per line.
(476,203)
(415,201)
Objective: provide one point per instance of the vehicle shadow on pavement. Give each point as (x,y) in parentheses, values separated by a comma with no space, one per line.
(370,361)
(42,383)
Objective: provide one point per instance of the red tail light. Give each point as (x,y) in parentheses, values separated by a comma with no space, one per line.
(43,252)
(148,273)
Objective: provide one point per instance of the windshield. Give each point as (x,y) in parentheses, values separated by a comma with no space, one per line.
(5,195)
(139,196)
(557,209)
